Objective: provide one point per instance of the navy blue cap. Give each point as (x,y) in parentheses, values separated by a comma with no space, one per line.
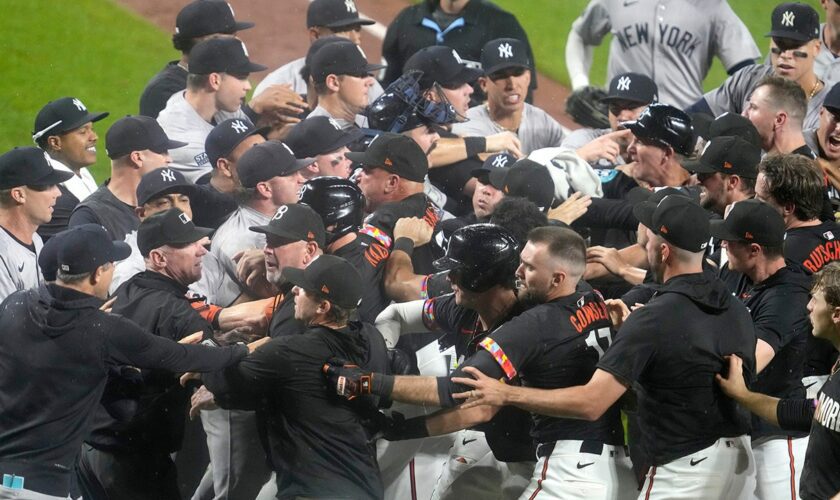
(222,55)
(331,276)
(504,53)
(163,181)
(137,133)
(334,14)
(207,17)
(29,166)
(319,135)
(84,248)
(63,115)
(224,137)
(268,160)
(172,227)
(48,258)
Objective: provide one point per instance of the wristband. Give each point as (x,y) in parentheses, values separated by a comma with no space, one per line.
(414,428)
(475,145)
(381,384)
(404,244)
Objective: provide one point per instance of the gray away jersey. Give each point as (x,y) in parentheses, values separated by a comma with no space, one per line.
(218,278)
(826,64)
(734,93)
(181,122)
(672,41)
(537,130)
(18,264)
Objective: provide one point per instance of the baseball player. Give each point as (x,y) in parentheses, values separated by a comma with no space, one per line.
(794,43)
(506,78)
(776,108)
(826,65)
(219,81)
(673,42)
(28,192)
(753,235)
(323,18)
(825,141)
(818,414)
(64,129)
(672,347)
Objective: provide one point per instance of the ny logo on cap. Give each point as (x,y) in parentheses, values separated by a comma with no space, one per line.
(351,5)
(334,124)
(623,83)
(787,18)
(167,175)
(457,57)
(244,49)
(288,148)
(239,126)
(362,52)
(79,105)
(232,13)
(500,161)
(505,51)
(185,219)
(280,212)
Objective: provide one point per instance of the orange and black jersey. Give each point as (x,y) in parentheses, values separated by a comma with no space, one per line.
(822,459)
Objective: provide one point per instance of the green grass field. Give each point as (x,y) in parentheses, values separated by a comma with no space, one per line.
(100,52)
(548,22)
(91,49)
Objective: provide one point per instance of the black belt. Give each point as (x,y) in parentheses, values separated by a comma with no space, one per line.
(586,446)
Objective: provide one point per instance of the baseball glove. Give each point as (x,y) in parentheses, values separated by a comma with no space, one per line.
(586,107)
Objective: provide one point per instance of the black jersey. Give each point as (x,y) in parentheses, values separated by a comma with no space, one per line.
(374,299)
(820,478)
(671,350)
(558,344)
(814,247)
(778,309)
(283,320)
(507,432)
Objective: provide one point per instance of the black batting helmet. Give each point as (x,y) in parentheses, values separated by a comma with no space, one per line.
(481,256)
(666,125)
(338,201)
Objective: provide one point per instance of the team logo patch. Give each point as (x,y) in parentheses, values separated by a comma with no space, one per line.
(280,212)
(726,164)
(505,51)
(201,158)
(325,289)
(828,235)
(663,229)
(350,5)
(79,105)
(457,57)
(184,218)
(788,18)
(288,148)
(606,174)
(244,49)
(499,355)
(623,83)
(167,175)
(748,236)
(310,235)
(239,126)
(388,162)
(500,161)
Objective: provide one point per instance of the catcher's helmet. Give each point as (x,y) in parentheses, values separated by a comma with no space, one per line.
(481,256)
(666,125)
(338,201)
(402,107)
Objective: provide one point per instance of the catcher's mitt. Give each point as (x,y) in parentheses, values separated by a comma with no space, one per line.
(587,107)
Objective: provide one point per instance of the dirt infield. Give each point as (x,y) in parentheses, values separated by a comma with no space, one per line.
(280,36)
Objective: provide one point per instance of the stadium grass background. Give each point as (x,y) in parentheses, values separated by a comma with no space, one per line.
(103,53)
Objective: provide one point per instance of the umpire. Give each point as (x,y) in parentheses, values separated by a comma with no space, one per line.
(55,353)
(314,439)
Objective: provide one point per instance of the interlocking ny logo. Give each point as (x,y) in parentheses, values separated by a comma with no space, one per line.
(457,57)
(167,175)
(244,49)
(500,161)
(787,18)
(624,83)
(351,6)
(79,105)
(239,126)
(280,212)
(505,51)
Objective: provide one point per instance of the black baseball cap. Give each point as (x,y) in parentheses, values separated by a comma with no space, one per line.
(331,276)
(734,125)
(396,153)
(701,123)
(206,17)
(163,181)
(677,219)
(294,222)
(504,53)
(497,160)
(634,87)
(334,14)
(224,137)
(29,166)
(524,178)
(752,221)
(832,99)
(48,257)
(137,133)
(666,125)
(63,115)
(319,135)
(171,227)
(305,71)
(222,55)
(84,248)
(795,21)
(267,160)
(728,155)
(340,58)
(443,65)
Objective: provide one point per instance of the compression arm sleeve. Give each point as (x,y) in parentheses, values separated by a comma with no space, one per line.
(397,319)
(796,414)
(578,60)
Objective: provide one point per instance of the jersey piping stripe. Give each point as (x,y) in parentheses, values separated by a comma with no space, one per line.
(541,479)
(413,480)
(792,469)
(377,234)
(499,355)
(650,484)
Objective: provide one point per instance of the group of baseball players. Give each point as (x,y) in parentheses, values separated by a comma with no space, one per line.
(406,281)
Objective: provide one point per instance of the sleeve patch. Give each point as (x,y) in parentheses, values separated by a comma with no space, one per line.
(377,234)
(429,320)
(499,355)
